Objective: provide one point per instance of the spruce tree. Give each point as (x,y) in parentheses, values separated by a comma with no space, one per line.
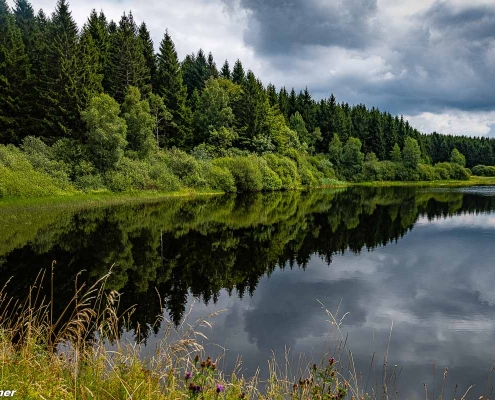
(169,85)
(212,67)
(127,65)
(283,102)
(148,52)
(238,74)
(374,140)
(70,76)
(271,91)
(25,20)
(225,71)
(97,28)
(14,72)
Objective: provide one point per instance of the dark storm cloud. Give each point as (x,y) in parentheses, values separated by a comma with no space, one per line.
(281,26)
(438,59)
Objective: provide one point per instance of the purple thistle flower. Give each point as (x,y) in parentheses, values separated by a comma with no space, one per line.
(187,376)
(331,360)
(220,388)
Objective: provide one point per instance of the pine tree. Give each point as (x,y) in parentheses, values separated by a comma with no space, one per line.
(97,28)
(149,53)
(238,74)
(66,85)
(271,91)
(25,20)
(14,72)
(292,102)
(212,67)
(374,140)
(283,102)
(225,72)
(169,85)
(389,132)
(251,112)
(195,72)
(127,65)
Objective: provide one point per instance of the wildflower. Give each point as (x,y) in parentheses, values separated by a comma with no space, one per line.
(213,366)
(196,359)
(294,387)
(220,388)
(331,360)
(187,376)
(203,364)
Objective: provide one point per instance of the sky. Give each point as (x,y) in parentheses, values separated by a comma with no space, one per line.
(429,60)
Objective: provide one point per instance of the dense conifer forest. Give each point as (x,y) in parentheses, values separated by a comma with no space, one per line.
(97,108)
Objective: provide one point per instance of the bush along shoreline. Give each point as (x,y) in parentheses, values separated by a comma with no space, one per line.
(37,170)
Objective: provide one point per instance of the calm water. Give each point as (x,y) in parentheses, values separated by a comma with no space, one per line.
(421,259)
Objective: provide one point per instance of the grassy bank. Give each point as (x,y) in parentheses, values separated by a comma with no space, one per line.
(69,358)
(473,181)
(100,198)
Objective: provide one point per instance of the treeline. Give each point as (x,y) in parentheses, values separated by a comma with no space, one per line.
(98,108)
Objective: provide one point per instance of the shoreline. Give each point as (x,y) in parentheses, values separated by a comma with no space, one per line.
(104,198)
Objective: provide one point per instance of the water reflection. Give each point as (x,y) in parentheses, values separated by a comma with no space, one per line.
(435,283)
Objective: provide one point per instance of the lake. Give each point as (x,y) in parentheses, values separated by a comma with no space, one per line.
(417,262)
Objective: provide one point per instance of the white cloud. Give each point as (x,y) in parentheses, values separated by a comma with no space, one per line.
(454,122)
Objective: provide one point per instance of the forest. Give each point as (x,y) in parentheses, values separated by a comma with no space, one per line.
(98,108)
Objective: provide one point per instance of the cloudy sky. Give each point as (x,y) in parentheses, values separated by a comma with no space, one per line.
(432,61)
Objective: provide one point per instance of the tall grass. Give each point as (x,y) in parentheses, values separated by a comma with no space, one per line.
(79,354)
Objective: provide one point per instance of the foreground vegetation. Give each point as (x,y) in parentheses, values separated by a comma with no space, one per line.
(98,109)
(83,357)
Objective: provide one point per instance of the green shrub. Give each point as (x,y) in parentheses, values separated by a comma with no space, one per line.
(87,183)
(269,178)
(444,170)
(245,171)
(163,178)
(459,172)
(427,173)
(387,170)
(18,178)
(41,157)
(130,175)
(186,167)
(371,171)
(286,170)
(484,170)
(219,178)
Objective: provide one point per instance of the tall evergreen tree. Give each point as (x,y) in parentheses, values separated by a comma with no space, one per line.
(25,20)
(68,83)
(97,27)
(238,74)
(374,139)
(127,65)
(149,53)
(292,102)
(169,85)
(283,102)
(271,91)
(225,71)
(212,67)
(14,71)
(251,113)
